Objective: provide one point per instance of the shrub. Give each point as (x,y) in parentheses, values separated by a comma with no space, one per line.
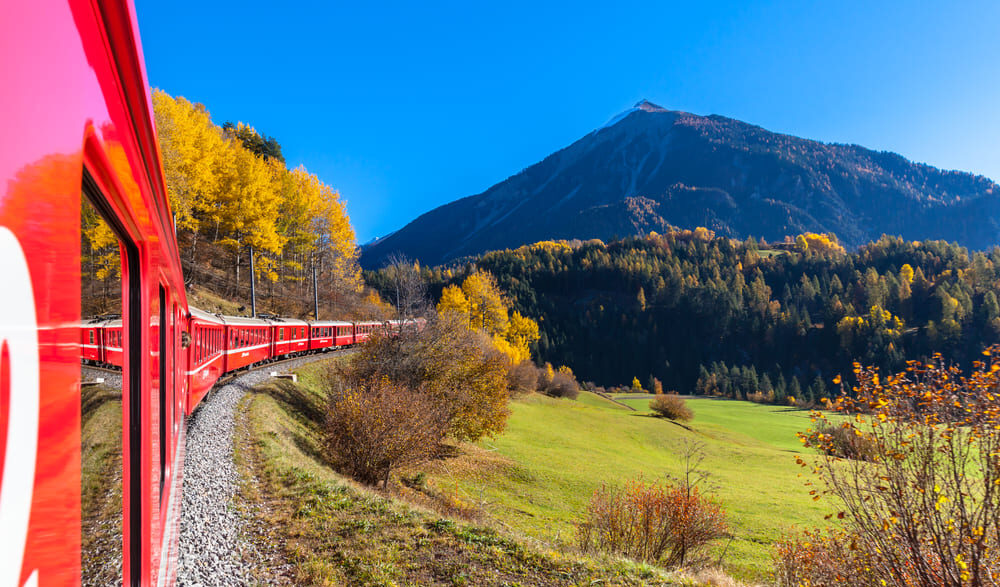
(377,426)
(822,558)
(563,385)
(522,378)
(652,522)
(448,361)
(923,507)
(842,442)
(545,375)
(672,406)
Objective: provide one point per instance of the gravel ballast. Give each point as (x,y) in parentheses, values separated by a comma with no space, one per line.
(211,551)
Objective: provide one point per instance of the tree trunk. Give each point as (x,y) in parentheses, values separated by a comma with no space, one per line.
(238,251)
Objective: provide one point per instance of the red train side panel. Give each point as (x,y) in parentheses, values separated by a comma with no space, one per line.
(322,334)
(111,337)
(75,99)
(288,336)
(363,330)
(205,355)
(90,342)
(247,342)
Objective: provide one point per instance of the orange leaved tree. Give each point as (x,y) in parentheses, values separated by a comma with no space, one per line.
(923,506)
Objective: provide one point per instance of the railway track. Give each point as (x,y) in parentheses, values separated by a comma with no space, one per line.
(212,549)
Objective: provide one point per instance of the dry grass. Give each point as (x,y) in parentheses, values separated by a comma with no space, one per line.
(715,578)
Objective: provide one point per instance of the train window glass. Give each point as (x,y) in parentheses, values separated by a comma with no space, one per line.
(163,358)
(173,370)
(101,466)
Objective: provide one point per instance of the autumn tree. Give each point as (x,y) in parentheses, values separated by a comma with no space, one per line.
(408,287)
(192,149)
(922,506)
(480,304)
(449,361)
(230,187)
(376,426)
(260,145)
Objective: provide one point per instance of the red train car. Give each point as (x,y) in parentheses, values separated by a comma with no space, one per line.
(91,345)
(288,336)
(77,127)
(324,334)
(343,334)
(205,355)
(364,330)
(248,341)
(112,349)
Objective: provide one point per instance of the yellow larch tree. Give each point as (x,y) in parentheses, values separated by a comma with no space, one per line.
(481,305)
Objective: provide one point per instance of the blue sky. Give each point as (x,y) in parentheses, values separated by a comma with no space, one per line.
(404,107)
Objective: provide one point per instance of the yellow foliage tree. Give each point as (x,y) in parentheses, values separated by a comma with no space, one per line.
(481,305)
(819,243)
(453,300)
(190,147)
(487,311)
(239,199)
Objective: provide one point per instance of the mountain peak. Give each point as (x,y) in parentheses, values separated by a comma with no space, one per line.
(660,168)
(647,106)
(644,105)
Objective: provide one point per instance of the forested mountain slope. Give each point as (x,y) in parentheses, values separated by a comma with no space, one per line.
(652,168)
(713,315)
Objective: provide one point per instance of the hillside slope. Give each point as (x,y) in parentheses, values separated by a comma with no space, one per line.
(651,168)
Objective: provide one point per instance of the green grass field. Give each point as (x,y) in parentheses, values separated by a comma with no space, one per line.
(555,452)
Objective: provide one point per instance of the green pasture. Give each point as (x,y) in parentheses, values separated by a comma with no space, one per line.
(556,452)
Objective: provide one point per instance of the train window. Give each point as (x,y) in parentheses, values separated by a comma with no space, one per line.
(174,338)
(105,255)
(163,358)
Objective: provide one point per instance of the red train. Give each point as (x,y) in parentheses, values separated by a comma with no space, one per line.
(78,135)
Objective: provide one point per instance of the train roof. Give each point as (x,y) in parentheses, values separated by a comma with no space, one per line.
(203,315)
(321,323)
(243,321)
(279,321)
(101,321)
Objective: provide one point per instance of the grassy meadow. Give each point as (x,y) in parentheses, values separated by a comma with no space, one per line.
(315,527)
(537,477)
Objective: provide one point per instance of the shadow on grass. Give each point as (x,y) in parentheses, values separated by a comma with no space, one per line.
(307,410)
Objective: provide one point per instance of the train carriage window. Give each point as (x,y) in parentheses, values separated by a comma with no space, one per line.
(162,358)
(105,256)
